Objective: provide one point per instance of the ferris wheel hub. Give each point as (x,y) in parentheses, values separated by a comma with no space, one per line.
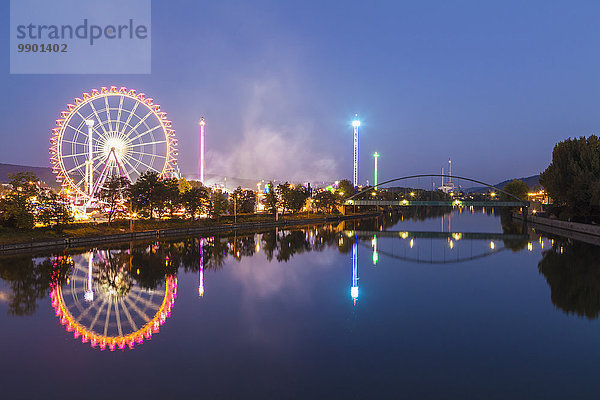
(116,144)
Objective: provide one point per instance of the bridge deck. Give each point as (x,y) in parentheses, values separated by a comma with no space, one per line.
(424,203)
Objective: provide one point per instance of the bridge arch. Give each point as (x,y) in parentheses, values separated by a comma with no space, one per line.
(524,203)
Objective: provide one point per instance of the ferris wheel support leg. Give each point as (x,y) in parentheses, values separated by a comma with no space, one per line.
(90,172)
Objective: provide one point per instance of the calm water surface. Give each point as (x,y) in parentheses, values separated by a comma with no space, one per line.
(454,307)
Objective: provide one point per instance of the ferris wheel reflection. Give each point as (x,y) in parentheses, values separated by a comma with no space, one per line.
(104,303)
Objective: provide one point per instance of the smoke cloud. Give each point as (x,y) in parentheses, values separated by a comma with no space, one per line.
(276,142)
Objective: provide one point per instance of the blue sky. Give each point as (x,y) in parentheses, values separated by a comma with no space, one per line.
(493,84)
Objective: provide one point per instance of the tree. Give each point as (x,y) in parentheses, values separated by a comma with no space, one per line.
(325,201)
(195,201)
(245,201)
(517,188)
(17,208)
(572,180)
(184,185)
(54,209)
(114,193)
(218,204)
(271,200)
(345,188)
(295,198)
(172,195)
(149,193)
(282,191)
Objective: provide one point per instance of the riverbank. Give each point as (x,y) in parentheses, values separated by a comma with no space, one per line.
(572,230)
(90,236)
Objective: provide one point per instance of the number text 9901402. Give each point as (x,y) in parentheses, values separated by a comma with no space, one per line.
(42,48)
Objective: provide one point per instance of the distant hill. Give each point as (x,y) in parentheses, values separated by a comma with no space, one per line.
(531,181)
(43,173)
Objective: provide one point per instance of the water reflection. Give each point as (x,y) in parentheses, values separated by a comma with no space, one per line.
(29,280)
(105,304)
(435,247)
(572,270)
(119,297)
(201,270)
(354,288)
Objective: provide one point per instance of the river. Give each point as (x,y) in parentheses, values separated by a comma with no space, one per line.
(423,305)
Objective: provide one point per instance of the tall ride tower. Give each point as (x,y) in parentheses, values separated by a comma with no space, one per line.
(201,161)
(355,125)
(376,155)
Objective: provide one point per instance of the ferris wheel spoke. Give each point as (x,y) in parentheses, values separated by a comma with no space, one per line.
(144,133)
(132,167)
(149,304)
(118,318)
(73,142)
(82,179)
(72,292)
(141,121)
(120,109)
(79,131)
(145,154)
(131,114)
(153,292)
(75,155)
(84,313)
(147,144)
(80,182)
(126,311)
(94,128)
(91,327)
(137,310)
(146,165)
(140,162)
(108,114)
(98,117)
(107,320)
(83,165)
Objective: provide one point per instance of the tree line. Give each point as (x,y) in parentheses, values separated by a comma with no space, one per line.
(25,203)
(572,179)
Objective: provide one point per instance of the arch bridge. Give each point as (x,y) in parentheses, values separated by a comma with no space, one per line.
(356,200)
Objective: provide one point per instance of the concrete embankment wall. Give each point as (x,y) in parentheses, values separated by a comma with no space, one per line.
(75,242)
(555,223)
(572,230)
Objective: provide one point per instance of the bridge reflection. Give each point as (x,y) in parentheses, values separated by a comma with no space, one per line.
(452,242)
(448,250)
(436,235)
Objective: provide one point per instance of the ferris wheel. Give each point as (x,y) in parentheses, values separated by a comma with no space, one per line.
(111,131)
(101,303)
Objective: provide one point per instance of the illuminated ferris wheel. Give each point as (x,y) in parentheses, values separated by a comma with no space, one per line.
(102,304)
(111,131)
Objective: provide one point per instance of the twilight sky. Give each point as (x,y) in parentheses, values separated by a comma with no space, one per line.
(493,84)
